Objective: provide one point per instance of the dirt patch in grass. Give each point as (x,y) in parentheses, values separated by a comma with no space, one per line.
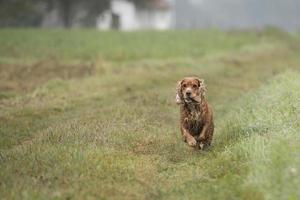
(24,78)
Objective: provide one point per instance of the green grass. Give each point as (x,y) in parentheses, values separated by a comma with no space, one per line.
(92,115)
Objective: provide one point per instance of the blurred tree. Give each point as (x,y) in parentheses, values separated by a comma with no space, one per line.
(32,12)
(66,11)
(93,9)
(20,13)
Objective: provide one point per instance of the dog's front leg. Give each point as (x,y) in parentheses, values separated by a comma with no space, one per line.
(202,136)
(203,133)
(188,137)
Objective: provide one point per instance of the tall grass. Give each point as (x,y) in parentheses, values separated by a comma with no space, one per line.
(266,127)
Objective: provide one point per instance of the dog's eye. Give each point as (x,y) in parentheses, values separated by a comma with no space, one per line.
(194,86)
(184,85)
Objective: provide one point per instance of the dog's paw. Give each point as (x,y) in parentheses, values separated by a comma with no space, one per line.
(192,142)
(201,145)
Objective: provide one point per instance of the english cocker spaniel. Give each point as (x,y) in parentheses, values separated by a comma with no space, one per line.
(196,116)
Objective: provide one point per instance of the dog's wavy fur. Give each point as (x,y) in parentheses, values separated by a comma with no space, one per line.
(196,116)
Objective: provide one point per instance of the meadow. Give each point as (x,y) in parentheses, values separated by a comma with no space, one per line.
(92,115)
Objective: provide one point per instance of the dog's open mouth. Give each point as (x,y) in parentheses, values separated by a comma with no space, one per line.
(192,100)
(188,99)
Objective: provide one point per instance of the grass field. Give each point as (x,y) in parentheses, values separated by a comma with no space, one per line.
(92,115)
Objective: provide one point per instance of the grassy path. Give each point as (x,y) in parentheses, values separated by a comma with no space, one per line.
(113,134)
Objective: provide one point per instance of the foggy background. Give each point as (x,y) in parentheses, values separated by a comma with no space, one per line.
(130,15)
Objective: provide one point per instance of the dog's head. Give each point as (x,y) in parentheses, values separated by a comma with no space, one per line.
(190,90)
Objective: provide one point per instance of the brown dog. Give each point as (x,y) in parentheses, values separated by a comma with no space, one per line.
(196,120)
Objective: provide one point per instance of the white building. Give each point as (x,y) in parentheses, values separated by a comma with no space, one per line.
(123,15)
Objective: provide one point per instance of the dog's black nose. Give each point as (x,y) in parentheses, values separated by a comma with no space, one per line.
(188,93)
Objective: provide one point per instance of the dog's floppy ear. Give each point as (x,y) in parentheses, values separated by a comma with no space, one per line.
(179,97)
(202,86)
